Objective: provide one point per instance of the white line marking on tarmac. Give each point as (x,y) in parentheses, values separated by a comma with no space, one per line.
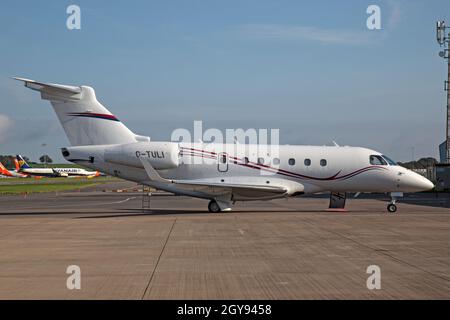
(122,201)
(76,204)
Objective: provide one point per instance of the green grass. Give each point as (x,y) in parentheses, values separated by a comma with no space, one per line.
(31,185)
(33,188)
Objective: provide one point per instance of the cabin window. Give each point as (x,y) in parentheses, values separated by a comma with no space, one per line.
(323,162)
(276,161)
(260,160)
(377,161)
(389,160)
(223,158)
(307,162)
(246,161)
(291,161)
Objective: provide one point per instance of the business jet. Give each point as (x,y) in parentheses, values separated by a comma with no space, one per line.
(25,168)
(225,174)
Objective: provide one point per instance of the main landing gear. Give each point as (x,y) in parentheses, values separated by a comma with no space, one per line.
(216,206)
(213,206)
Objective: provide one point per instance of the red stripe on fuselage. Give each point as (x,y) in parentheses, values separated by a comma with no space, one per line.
(258,166)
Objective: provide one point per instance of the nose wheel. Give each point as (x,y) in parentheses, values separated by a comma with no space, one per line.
(392,208)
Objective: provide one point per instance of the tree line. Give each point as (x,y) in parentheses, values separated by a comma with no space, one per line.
(8,160)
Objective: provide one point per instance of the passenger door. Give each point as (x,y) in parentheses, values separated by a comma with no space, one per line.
(222,162)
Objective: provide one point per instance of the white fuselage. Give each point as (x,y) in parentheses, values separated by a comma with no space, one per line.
(299,169)
(58,172)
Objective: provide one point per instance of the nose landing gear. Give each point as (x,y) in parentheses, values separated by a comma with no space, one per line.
(392,207)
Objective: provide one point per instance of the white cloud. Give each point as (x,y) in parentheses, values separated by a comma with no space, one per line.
(392,16)
(5,125)
(292,32)
(395,13)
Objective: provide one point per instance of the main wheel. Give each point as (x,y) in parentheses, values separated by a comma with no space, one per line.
(213,206)
(392,208)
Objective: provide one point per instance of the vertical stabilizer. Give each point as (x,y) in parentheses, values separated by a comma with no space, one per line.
(85,120)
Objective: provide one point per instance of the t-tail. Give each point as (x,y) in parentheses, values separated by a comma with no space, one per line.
(22,163)
(85,120)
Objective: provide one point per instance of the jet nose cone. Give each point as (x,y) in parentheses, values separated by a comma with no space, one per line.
(414,182)
(426,184)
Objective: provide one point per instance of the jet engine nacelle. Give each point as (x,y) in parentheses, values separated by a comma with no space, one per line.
(161,155)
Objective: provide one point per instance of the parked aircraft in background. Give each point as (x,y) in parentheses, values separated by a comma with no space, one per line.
(101,142)
(53,172)
(11,173)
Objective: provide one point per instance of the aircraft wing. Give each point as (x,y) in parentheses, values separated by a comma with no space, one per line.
(240,186)
(59,174)
(244,186)
(236,183)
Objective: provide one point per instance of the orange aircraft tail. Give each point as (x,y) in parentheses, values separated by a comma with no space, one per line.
(4,171)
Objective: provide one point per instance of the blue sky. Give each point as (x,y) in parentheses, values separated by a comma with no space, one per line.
(310,68)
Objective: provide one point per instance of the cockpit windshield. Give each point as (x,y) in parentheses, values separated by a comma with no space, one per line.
(377,160)
(390,161)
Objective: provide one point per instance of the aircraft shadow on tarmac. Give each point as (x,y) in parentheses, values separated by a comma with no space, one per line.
(114,213)
(438,202)
(139,212)
(184,212)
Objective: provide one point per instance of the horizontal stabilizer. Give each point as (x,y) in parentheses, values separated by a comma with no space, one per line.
(52,90)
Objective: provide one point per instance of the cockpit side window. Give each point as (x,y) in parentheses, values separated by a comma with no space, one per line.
(390,161)
(377,160)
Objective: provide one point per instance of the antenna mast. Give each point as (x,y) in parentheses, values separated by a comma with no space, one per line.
(443,39)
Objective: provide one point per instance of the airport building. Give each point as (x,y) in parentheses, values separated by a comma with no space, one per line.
(442,177)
